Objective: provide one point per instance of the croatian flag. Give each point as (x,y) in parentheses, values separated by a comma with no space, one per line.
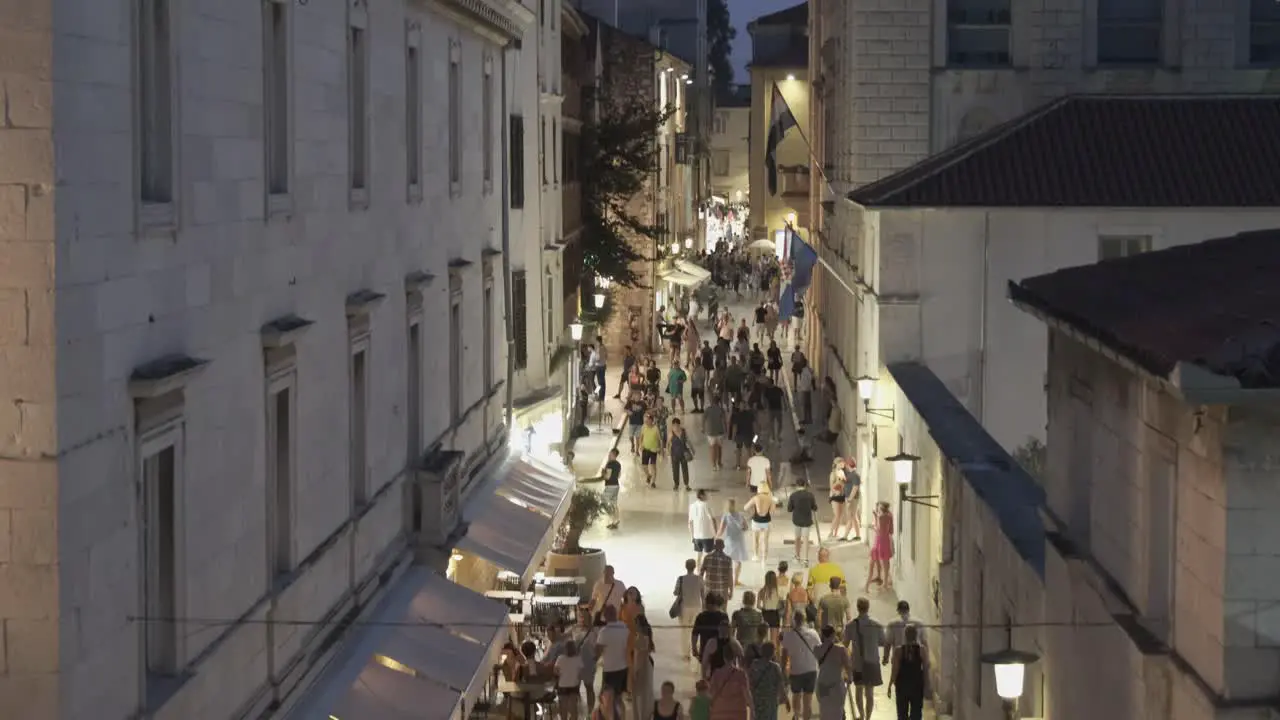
(781,120)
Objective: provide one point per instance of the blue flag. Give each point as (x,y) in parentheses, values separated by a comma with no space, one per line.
(786,302)
(803,260)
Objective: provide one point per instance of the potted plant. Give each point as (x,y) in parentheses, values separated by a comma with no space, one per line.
(567,557)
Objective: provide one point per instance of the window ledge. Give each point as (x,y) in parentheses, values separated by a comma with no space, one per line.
(417,281)
(279,206)
(362,302)
(284,331)
(155,219)
(164,375)
(359,199)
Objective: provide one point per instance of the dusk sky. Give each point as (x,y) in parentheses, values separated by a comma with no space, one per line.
(743,12)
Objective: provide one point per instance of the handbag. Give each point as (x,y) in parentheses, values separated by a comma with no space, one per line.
(598,618)
(676,605)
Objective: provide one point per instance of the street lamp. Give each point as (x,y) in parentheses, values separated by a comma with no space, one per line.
(1010,667)
(791,76)
(866,386)
(575,331)
(675,248)
(791,218)
(904,470)
(688,243)
(599,297)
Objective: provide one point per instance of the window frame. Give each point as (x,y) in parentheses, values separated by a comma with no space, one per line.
(952,27)
(542,147)
(516,168)
(520,317)
(156,217)
(454,90)
(413,118)
(1159,23)
(1248,26)
(279,202)
(489,347)
(151,443)
(457,350)
(1144,242)
(358,133)
(487,112)
(358,475)
(282,377)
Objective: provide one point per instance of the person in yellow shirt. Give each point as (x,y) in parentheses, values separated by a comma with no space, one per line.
(820,575)
(650,446)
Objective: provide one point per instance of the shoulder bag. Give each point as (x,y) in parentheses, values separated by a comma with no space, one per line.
(598,618)
(678,603)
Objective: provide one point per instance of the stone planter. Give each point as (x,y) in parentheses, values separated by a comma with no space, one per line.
(588,564)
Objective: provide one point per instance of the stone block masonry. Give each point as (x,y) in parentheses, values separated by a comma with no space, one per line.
(30,620)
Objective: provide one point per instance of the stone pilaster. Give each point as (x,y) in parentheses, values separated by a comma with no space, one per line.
(29,607)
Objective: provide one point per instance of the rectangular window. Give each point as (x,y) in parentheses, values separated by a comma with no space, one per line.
(415,391)
(542,12)
(486,123)
(978,33)
(357,104)
(455,118)
(455,360)
(549,305)
(359,430)
(516,161)
(720,162)
(555,151)
(520,317)
(487,324)
(1111,247)
(276,89)
(1162,535)
(1129,31)
(161,535)
(155,102)
(413,112)
(542,148)
(721,123)
(1264,32)
(280,473)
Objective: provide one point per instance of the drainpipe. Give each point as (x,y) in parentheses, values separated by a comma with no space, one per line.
(506,243)
(981,406)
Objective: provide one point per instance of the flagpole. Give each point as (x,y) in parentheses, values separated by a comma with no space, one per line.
(807,145)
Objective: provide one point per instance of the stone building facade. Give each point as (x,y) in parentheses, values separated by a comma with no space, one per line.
(633,68)
(272,234)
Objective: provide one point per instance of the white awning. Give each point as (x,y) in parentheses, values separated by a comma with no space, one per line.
(693,269)
(512,519)
(424,653)
(679,277)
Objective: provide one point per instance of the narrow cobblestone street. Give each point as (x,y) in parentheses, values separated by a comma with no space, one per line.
(652,543)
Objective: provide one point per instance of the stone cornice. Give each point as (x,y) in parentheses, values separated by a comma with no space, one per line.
(501,21)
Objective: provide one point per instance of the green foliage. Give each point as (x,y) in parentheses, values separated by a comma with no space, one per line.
(585,508)
(619,157)
(1031,455)
(720,35)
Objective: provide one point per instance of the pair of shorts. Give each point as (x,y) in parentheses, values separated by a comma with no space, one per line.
(802,532)
(648,457)
(635,430)
(759,526)
(804,682)
(715,440)
(617,680)
(610,493)
(868,675)
(568,691)
(743,442)
(704,545)
(772,618)
(837,498)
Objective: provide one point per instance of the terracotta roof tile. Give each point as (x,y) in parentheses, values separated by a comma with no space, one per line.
(1214,304)
(1105,151)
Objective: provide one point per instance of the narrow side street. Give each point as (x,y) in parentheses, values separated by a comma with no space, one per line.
(652,543)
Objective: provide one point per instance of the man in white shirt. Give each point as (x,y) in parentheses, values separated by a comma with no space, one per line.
(759,470)
(798,643)
(607,592)
(692,591)
(612,646)
(865,637)
(702,526)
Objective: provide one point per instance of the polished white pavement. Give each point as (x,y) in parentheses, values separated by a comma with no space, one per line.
(649,549)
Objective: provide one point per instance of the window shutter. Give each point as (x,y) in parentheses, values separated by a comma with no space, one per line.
(519,317)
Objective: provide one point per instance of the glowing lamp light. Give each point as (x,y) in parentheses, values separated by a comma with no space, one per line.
(688,243)
(1010,667)
(688,81)
(791,76)
(575,331)
(904,466)
(684,76)
(791,218)
(675,247)
(866,386)
(599,300)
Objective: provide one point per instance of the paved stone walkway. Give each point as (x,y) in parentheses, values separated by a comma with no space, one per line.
(650,547)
